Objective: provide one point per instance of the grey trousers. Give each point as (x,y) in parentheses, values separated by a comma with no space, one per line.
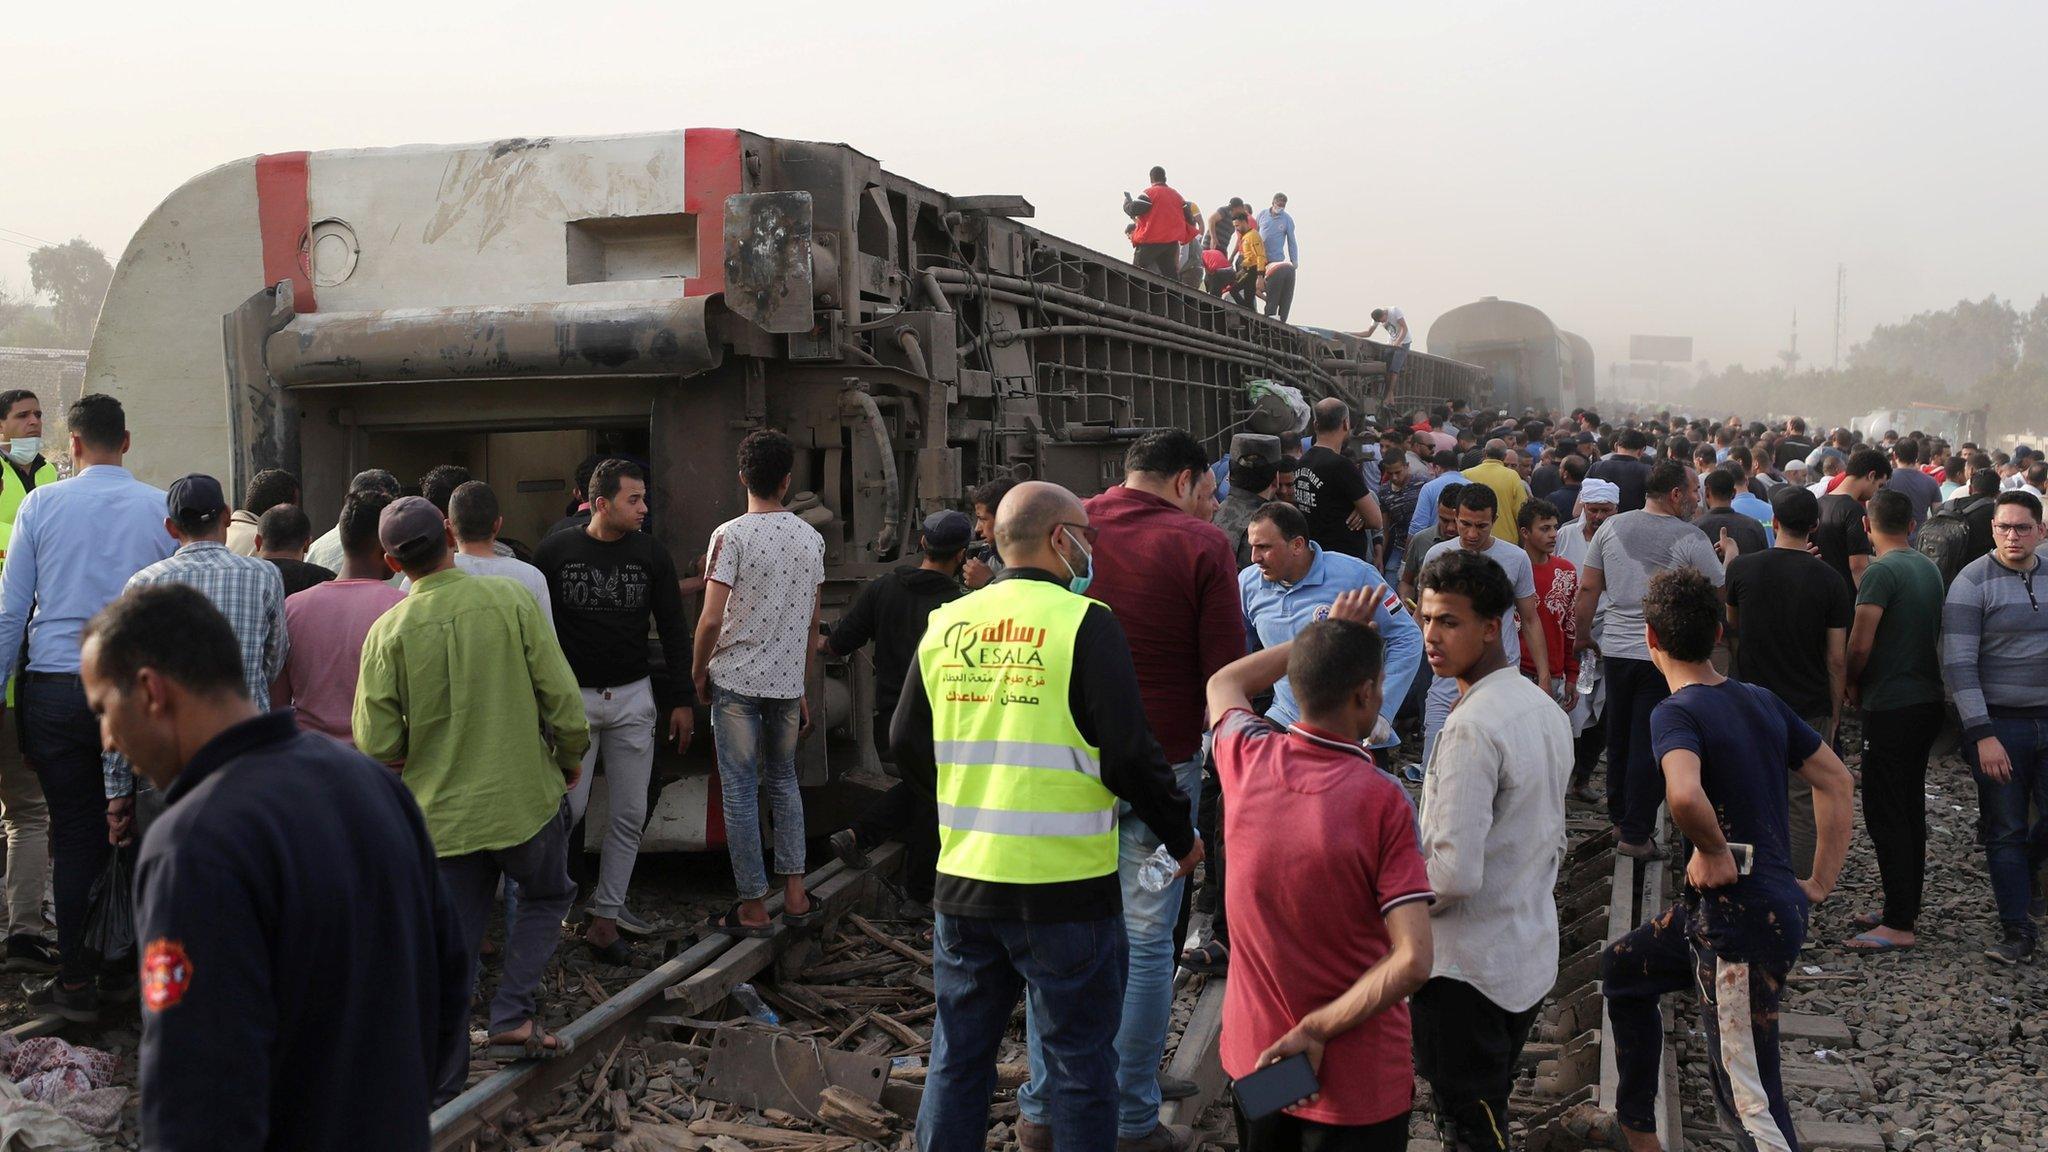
(26,818)
(622,730)
(541,868)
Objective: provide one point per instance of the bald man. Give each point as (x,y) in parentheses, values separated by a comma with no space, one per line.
(1024,675)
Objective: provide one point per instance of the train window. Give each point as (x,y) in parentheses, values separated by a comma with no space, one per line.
(609,248)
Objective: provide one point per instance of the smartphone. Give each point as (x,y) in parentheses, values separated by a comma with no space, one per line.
(1745,857)
(1276,1086)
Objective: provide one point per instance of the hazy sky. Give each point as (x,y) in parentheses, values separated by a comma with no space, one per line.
(1626,167)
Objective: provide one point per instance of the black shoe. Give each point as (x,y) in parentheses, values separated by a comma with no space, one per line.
(846,846)
(615,953)
(2016,948)
(80,1005)
(27,952)
(119,985)
(1176,1088)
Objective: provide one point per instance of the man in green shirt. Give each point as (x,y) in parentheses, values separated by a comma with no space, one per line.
(465,691)
(1895,677)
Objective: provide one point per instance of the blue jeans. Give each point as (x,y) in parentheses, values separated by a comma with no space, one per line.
(2008,855)
(1149,921)
(1072,977)
(756,741)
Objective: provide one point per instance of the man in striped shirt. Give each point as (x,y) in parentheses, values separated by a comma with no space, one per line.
(1994,639)
(246,590)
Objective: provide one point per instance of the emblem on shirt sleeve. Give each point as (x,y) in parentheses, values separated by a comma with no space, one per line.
(1320,612)
(166,973)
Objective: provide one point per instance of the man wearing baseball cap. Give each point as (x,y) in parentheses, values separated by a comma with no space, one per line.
(891,612)
(465,691)
(246,590)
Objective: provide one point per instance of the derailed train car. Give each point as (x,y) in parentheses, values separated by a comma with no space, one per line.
(512,306)
(1531,361)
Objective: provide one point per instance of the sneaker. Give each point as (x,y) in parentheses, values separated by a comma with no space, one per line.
(846,846)
(1033,1136)
(27,952)
(1162,1138)
(633,925)
(615,953)
(2016,948)
(80,1005)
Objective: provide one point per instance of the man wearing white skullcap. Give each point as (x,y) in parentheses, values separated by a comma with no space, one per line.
(1598,499)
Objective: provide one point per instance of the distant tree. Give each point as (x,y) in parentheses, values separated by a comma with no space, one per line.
(25,324)
(75,274)
(1956,348)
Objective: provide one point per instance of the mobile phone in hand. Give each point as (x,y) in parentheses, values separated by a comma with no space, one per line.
(1745,857)
(1276,1086)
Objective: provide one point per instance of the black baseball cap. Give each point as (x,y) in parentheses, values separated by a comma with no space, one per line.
(947,531)
(195,497)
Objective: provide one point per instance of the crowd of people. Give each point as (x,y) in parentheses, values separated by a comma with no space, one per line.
(333,761)
(1236,252)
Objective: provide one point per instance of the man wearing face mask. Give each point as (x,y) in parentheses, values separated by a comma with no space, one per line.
(1026,675)
(1171,578)
(23,812)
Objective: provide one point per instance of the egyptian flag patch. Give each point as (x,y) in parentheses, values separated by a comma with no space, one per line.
(166,973)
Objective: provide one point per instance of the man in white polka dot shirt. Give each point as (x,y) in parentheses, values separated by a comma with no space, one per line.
(752,663)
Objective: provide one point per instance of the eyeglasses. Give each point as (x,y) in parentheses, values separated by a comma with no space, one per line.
(2013,529)
(1088,531)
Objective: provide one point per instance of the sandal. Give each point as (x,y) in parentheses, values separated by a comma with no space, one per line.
(802,918)
(730,924)
(1872,942)
(534,1047)
(1207,959)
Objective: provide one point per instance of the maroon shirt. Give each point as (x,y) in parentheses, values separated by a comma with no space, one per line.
(1171,579)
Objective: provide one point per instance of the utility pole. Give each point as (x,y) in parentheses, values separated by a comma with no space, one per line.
(1841,309)
(1791,355)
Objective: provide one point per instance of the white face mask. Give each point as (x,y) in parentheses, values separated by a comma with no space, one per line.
(23,449)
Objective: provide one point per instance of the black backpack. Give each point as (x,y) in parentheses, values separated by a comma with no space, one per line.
(1945,538)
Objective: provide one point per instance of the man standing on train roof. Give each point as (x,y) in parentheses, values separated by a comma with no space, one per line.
(1164,223)
(1396,323)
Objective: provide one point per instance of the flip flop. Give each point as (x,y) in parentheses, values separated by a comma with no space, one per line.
(1866,921)
(802,918)
(534,1047)
(729,923)
(1208,958)
(1871,942)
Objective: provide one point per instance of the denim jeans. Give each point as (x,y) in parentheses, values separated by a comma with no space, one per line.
(60,738)
(2008,855)
(756,741)
(1149,919)
(1072,976)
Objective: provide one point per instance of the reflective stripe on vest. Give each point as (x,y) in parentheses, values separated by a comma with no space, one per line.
(1017,754)
(1020,792)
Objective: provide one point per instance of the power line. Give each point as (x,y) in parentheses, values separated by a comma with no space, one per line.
(24,244)
(31,236)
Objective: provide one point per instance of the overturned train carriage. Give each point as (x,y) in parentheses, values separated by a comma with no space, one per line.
(513,306)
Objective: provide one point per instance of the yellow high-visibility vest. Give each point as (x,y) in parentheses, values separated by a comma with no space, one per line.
(13,492)
(1020,792)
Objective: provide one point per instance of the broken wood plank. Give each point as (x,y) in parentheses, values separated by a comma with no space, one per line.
(847,969)
(887,941)
(852,1115)
(897,1028)
(1807,1026)
(768,1135)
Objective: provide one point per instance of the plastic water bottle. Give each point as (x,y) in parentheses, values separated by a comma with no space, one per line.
(751,1003)
(1157,870)
(1589,673)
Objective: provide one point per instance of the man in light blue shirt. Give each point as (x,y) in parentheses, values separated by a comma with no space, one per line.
(1276,229)
(75,544)
(1292,583)
(1443,473)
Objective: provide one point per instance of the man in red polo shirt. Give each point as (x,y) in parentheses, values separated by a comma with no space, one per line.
(1329,896)
(1171,578)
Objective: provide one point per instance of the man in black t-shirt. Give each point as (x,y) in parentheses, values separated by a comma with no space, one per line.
(1788,631)
(1720,516)
(1841,537)
(606,581)
(1625,469)
(1331,491)
(1795,445)
(1725,750)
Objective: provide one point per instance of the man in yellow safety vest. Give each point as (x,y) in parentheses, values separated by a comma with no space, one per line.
(1023,718)
(24,815)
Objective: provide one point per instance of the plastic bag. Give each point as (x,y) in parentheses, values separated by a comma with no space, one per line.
(1287,414)
(110,912)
